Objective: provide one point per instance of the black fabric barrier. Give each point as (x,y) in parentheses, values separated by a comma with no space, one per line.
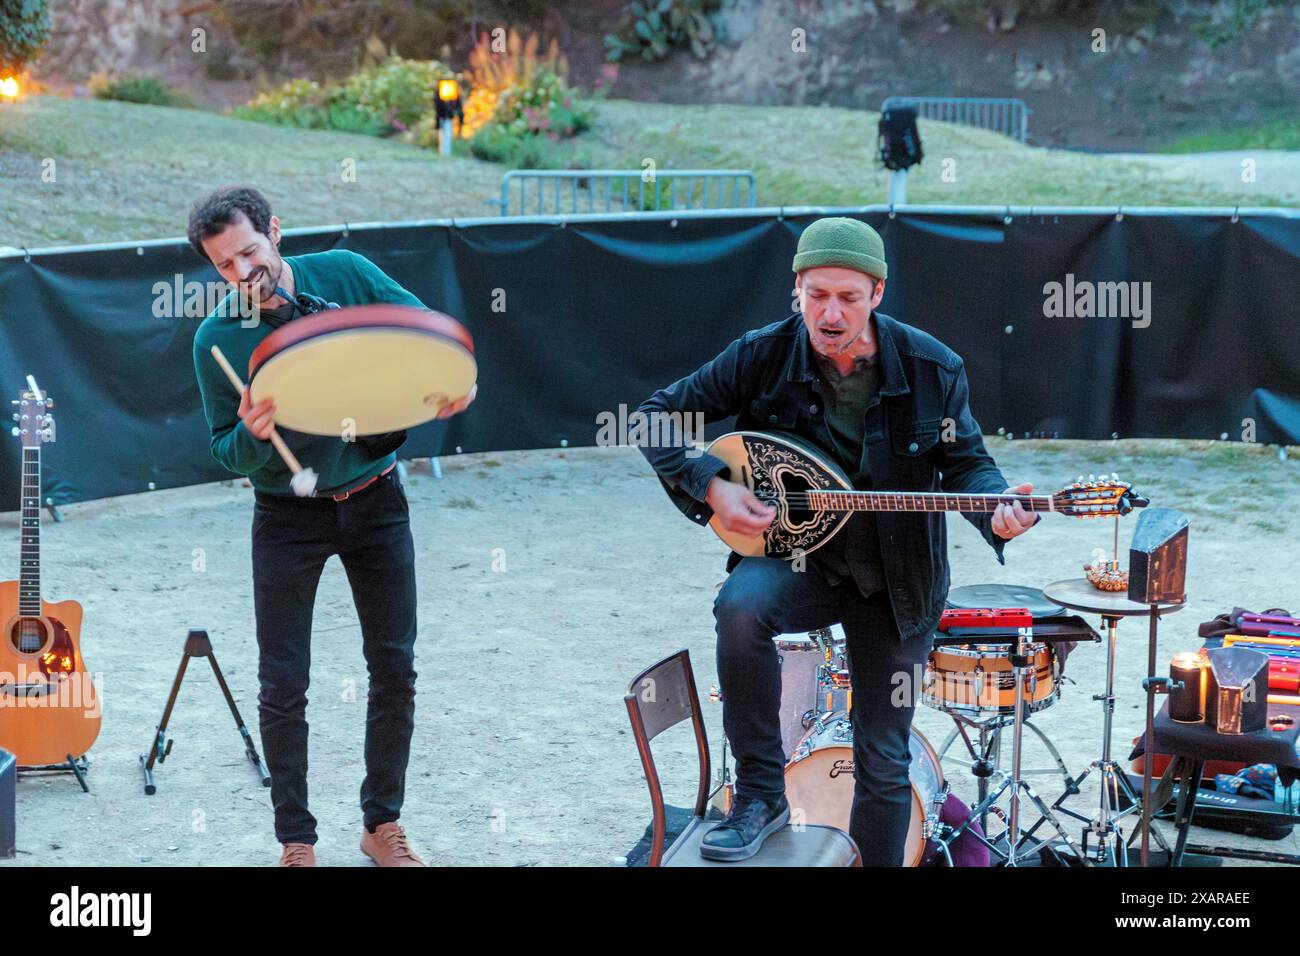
(600,312)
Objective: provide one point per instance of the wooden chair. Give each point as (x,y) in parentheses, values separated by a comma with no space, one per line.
(661,697)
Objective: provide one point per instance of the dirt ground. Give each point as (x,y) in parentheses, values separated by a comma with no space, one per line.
(548,579)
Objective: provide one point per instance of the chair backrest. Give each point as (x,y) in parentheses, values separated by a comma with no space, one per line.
(658,698)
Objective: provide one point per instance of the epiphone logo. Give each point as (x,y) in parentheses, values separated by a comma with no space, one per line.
(841,766)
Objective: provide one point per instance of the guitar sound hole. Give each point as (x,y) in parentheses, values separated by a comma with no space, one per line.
(793,487)
(28,636)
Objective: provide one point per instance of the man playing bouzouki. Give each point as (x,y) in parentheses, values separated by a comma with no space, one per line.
(890,403)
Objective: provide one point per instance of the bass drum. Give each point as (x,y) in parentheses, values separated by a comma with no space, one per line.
(819,782)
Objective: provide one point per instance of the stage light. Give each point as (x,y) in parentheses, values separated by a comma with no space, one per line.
(448,108)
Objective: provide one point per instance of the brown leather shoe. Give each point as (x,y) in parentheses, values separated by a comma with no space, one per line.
(298,854)
(387,846)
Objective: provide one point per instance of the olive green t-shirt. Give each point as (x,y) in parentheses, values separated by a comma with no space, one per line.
(854,552)
(846,402)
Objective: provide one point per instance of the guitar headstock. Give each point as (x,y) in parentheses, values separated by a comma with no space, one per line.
(34,423)
(1104,497)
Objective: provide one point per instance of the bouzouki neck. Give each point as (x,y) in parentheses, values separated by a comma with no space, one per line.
(918,501)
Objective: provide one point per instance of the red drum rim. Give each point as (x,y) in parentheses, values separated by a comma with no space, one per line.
(356,318)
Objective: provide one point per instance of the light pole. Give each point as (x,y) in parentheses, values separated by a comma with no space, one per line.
(448,106)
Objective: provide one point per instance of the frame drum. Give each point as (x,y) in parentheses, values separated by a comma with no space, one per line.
(369,369)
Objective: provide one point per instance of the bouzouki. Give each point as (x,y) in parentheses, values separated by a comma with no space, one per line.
(814,497)
(49,704)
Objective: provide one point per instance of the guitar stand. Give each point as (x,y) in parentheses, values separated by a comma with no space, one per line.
(77,766)
(197,644)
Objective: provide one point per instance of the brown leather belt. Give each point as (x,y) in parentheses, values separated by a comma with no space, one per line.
(365,484)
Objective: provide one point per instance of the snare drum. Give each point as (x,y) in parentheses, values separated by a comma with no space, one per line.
(977,680)
(819,783)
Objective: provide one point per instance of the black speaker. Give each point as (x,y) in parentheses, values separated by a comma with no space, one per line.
(1157,558)
(8,784)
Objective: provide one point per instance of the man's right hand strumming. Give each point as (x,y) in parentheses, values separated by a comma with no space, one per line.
(259,419)
(738,509)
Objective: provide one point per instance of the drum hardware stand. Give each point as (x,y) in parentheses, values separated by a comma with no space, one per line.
(1157,566)
(987,756)
(1021,663)
(1105,824)
(720,796)
(1153,684)
(197,644)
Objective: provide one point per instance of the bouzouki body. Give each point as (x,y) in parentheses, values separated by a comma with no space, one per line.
(770,465)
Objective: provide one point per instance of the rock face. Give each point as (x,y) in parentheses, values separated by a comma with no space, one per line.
(1092,81)
(128,36)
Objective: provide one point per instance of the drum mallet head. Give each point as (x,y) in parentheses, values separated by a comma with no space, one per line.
(303,483)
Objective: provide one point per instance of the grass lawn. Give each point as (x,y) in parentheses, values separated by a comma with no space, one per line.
(1277,134)
(126,171)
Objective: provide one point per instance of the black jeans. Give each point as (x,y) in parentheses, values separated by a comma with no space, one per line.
(292,539)
(764,597)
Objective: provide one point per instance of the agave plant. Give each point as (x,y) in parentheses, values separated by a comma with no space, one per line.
(655,27)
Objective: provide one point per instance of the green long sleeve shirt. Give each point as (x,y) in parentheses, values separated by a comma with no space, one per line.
(337,276)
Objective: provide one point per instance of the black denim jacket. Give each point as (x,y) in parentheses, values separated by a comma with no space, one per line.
(768,379)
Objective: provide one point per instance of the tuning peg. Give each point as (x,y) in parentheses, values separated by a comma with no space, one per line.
(15,431)
(15,416)
(1079,480)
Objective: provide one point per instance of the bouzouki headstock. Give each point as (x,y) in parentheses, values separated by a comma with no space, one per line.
(34,424)
(1104,497)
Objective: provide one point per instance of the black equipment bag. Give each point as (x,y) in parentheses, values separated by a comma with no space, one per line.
(898,140)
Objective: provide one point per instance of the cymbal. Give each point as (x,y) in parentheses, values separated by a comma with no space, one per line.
(1079,594)
(1004,595)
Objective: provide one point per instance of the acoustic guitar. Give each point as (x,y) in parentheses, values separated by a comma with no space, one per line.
(49,705)
(814,497)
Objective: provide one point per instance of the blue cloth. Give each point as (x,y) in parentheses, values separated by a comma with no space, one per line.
(1258,781)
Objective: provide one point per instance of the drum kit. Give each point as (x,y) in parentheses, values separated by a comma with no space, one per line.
(997,662)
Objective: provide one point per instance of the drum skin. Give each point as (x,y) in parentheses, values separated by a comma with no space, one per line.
(363,369)
(819,782)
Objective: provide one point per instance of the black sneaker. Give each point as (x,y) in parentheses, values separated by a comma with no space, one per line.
(741,835)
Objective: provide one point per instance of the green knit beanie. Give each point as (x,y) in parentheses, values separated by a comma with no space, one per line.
(837,241)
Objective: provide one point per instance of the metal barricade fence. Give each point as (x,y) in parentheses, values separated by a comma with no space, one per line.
(543,192)
(1007,116)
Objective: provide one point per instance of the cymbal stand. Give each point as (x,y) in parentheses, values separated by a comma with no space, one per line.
(1105,825)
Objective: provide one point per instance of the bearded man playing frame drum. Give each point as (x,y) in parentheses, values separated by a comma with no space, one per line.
(876,394)
(362,516)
